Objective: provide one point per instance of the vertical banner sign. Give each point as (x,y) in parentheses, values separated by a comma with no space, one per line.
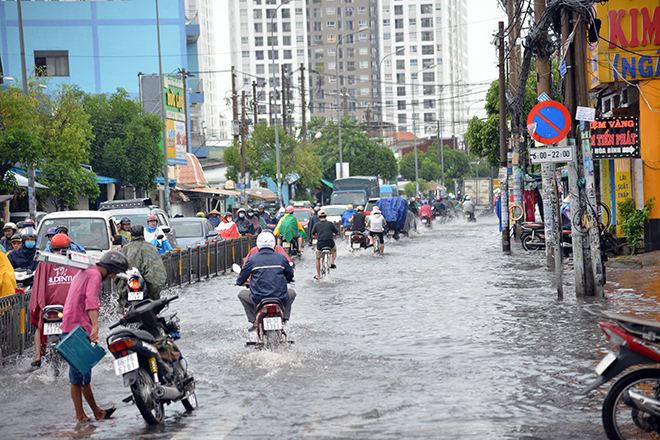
(175,121)
(504,211)
(622,185)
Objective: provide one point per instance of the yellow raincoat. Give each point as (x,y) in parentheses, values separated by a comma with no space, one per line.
(7,278)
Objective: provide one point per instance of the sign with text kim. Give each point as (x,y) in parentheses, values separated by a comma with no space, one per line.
(175,121)
(613,138)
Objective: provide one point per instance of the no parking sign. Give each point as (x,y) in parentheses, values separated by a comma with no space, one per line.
(549,122)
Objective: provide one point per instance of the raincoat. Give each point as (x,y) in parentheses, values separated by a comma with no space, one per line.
(426,210)
(23,258)
(228,230)
(289,227)
(7,278)
(151,236)
(144,256)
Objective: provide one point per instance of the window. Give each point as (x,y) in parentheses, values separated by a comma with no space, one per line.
(364,64)
(398,23)
(401,105)
(258,41)
(427,36)
(318,53)
(286,13)
(330,25)
(400,64)
(364,92)
(332,51)
(256,14)
(318,26)
(316,13)
(246,54)
(386,22)
(426,9)
(351,80)
(259,54)
(412,22)
(429,103)
(286,26)
(427,50)
(329,11)
(332,65)
(362,9)
(271,27)
(386,35)
(318,39)
(350,12)
(427,63)
(286,40)
(411,9)
(398,10)
(270,13)
(412,36)
(413,63)
(244,27)
(300,52)
(363,37)
(398,37)
(362,23)
(350,52)
(270,54)
(350,66)
(428,76)
(245,40)
(402,118)
(413,50)
(428,117)
(286,54)
(299,25)
(364,78)
(339,26)
(321,107)
(319,67)
(388,90)
(256,2)
(243,13)
(350,25)
(260,68)
(299,11)
(400,51)
(427,22)
(332,80)
(364,51)
(332,38)
(400,78)
(428,90)
(272,41)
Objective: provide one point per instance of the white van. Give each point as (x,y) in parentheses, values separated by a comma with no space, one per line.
(93,230)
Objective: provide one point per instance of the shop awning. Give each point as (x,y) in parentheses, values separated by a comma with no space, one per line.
(211,191)
(327,183)
(262,194)
(103,180)
(23,181)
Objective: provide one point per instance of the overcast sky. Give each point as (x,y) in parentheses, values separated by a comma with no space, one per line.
(483,16)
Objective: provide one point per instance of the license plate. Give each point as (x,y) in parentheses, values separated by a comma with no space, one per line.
(356,245)
(52,328)
(347,233)
(605,362)
(135,296)
(272,323)
(424,220)
(126,364)
(315,242)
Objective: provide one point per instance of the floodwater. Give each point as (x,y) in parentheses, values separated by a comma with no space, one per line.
(444,337)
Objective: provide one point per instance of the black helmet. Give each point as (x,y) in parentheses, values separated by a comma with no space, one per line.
(125,221)
(137,231)
(114,262)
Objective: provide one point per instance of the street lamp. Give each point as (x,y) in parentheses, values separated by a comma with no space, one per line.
(277,134)
(398,52)
(341,157)
(414,128)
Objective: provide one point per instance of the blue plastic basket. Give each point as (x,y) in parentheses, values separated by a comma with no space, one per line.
(79,352)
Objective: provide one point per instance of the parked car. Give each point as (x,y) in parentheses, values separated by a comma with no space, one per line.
(303,215)
(93,230)
(138,210)
(191,231)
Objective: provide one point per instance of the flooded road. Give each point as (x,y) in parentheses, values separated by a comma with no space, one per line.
(443,337)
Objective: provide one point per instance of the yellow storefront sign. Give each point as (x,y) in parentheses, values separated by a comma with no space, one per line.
(622,187)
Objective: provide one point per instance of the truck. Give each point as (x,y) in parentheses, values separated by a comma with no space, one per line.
(480,191)
(356,190)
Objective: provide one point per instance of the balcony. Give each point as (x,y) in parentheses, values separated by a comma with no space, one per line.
(192,32)
(195,91)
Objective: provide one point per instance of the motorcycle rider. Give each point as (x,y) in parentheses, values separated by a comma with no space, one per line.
(16,243)
(359,221)
(377,225)
(227,228)
(23,257)
(262,212)
(9,230)
(269,272)
(412,206)
(243,225)
(153,234)
(215,218)
(256,224)
(426,211)
(347,216)
(148,261)
(439,207)
(74,247)
(82,308)
(272,219)
(325,232)
(468,207)
(51,286)
(314,219)
(125,225)
(290,229)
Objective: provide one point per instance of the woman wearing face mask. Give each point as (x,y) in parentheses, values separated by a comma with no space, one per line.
(254,219)
(227,228)
(23,257)
(243,224)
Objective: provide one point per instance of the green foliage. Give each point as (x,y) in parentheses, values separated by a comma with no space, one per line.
(127,143)
(410,188)
(428,165)
(366,157)
(632,220)
(67,183)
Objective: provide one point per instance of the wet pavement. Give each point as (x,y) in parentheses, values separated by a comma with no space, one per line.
(443,337)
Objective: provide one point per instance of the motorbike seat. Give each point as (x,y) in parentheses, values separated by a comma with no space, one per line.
(131,333)
(534,226)
(266,301)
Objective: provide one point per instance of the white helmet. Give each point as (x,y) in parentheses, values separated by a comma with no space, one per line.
(266,239)
(467,197)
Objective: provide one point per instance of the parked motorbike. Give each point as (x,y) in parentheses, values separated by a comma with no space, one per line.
(149,361)
(533,237)
(631,409)
(136,287)
(359,241)
(426,221)
(52,335)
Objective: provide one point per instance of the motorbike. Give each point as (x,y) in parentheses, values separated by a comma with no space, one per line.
(470,217)
(24,279)
(291,247)
(52,335)
(149,361)
(359,241)
(135,286)
(426,221)
(533,237)
(631,409)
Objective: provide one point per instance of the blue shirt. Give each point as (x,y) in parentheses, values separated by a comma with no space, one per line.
(270,274)
(346,217)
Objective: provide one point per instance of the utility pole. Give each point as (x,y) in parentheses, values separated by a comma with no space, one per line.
(243,130)
(256,103)
(368,117)
(303,130)
(345,105)
(504,194)
(270,106)
(234,101)
(284,104)
(441,156)
(514,77)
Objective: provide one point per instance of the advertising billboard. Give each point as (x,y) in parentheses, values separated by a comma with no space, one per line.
(175,120)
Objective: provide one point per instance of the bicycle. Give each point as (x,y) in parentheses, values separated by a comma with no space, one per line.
(325,262)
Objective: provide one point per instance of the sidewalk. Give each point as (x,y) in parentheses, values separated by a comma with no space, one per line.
(638,272)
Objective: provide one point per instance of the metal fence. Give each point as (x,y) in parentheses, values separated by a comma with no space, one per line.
(183,267)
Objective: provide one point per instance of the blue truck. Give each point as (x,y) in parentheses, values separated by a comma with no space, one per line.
(356,190)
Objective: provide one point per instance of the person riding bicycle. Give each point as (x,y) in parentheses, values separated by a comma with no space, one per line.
(325,232)
(314,219)
(290,228)
(377,225)
(269,273)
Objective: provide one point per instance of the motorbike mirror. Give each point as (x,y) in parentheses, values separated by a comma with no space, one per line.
(236,268)
(118,240)
(165,229)
(161,236)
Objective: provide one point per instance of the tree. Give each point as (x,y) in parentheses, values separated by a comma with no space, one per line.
(428,167)
(366,157)
(410,188)
(127,143)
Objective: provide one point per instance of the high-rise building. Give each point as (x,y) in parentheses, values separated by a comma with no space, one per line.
(425,66)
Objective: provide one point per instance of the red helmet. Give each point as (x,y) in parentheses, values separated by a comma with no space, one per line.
(289,209)
(152,218)
(60,241)
(29,223)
